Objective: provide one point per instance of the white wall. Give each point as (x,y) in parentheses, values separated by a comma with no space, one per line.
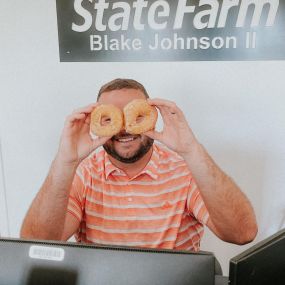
(236,110)
(4,221)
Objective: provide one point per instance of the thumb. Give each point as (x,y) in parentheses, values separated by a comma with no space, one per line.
(99,141)
(154,135)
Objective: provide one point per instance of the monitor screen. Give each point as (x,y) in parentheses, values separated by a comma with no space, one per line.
(24,262)
(262,264)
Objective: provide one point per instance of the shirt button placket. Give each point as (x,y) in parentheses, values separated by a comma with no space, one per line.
(130,199)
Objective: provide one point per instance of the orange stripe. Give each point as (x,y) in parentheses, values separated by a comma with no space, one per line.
(133,224)
(97,185)
(144,237)
(167,208)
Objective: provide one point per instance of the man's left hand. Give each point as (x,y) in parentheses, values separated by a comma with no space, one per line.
(176,133)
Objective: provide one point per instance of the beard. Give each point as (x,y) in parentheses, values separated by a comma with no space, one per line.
(145,145)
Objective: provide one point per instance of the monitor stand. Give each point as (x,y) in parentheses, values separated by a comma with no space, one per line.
(221,280)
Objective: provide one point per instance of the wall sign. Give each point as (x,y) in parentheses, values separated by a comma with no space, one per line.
(171,30)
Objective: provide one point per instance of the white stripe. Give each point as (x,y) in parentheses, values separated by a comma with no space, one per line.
(80,175)
(96,154)
(131,243)
(136,194)
(74,212)
(163,148)
(149,230)
(191,190)
(205,219)
(135,206)
(193,246)
(189,237)
(120,174)
(73,204)
(165,161)
(151,163)
(198,208)
(159,182)
(129,231)
(186,227)
(171,159)
(170,169)
(132,218)
(160,171)
(156,154)
(150,173)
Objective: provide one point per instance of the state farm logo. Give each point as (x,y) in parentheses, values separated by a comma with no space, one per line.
(214,14)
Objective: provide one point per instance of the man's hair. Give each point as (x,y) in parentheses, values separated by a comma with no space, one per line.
(118,84)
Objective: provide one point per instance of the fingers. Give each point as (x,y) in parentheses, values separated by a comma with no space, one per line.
(98,141)
(75,117)
(82,114)
(102,140)
(170,112)
(162,103)
(165,114)
(87,109)
(154,135)
(167,108)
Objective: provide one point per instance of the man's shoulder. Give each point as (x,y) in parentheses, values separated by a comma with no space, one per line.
(93,162)
(167,156)
(171,166)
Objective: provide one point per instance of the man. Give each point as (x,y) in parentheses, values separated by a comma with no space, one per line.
(134,192)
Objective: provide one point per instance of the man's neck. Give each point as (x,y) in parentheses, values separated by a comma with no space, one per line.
(132,169)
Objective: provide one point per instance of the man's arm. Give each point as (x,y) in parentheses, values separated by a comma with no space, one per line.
(231,215)
(47,217)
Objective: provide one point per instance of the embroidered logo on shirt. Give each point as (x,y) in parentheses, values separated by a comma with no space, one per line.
(166,205)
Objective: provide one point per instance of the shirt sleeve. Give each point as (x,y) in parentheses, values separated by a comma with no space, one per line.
(76,195)
(195,204)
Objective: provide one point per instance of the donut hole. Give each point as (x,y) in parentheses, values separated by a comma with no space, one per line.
(140,118)
(105,121)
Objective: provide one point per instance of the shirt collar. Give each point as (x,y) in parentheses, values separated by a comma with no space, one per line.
(150,169)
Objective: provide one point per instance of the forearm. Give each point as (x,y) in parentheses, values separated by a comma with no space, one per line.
(230,211)
(46,216)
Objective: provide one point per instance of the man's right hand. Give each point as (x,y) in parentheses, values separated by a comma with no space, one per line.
(76,142)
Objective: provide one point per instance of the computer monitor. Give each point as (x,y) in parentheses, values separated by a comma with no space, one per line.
(24,262)
(262,264)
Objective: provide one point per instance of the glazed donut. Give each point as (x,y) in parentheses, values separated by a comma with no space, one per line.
(106,120)
(139,116)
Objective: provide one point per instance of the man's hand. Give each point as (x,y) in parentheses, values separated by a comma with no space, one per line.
(176,133)
(76,142)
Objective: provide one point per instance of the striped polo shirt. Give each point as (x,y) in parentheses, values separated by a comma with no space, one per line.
(161,207)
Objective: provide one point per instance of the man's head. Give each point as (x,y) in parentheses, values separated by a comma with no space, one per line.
(119,84)
(124,147)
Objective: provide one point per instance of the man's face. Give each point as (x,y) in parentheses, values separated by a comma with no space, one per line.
(123,146)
